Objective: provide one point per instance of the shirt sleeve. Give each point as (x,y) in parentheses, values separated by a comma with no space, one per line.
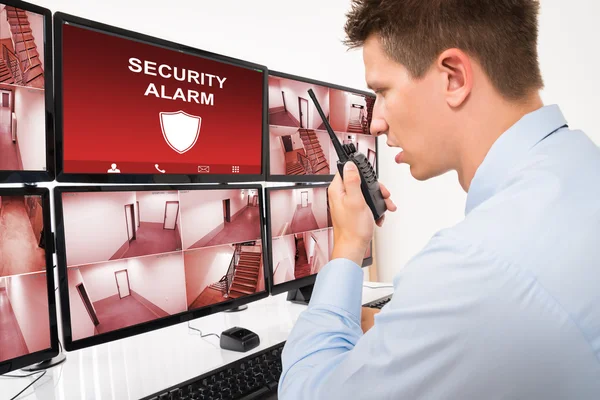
(417,338)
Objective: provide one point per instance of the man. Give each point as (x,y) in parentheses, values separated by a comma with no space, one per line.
(504,305)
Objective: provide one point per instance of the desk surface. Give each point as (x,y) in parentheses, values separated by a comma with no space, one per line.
(141,365)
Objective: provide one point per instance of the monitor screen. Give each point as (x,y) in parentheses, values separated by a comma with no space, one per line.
(301,232)
(300,147)
(27,319)
(25,94)
(134,256)
(150,108)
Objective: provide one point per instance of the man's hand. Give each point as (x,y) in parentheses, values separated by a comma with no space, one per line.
(367,318)
(352,219)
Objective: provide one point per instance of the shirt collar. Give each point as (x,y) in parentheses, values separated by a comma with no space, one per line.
(511,146)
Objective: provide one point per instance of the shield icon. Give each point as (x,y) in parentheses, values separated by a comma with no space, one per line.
(180,130)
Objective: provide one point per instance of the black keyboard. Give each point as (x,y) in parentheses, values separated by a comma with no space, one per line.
(379,303)
(253,377)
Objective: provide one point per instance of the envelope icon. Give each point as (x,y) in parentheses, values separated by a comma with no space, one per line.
(204,169)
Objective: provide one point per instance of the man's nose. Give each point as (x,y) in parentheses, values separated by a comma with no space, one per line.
(378,127)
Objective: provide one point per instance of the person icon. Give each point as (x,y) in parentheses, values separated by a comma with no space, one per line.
(113,169)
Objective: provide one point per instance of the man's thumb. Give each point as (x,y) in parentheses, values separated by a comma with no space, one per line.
(351,179)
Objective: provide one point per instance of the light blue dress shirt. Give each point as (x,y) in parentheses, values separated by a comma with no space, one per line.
(504,305)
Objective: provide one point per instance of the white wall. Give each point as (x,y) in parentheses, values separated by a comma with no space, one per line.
(160,280)
(283,206)
(284,252)
(152,205)
(36,21)
(319,207)
(28,296)
(275,99)
(4,26)
(31,127)
(95,225)
(202,211)
(340,104)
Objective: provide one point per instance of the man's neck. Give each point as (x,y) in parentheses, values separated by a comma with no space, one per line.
(491,121)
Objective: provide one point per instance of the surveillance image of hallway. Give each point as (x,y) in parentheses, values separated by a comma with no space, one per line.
(113,295)
(216,217)
(298,210)
(350,112)
(24,316)
(21,241)
(219,273)
(301,254)
(103,226)
(22,129)
(290,104)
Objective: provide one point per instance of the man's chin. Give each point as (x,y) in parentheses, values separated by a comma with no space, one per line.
(422,174)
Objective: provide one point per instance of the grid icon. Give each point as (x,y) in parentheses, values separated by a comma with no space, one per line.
(235,169)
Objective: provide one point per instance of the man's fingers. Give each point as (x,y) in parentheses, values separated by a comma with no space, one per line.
(389,204)
(380,221)
(352,181)
(384,191)
(336,187)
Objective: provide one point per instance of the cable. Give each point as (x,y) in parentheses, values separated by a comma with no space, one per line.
(31,384)
(378,287)
(201,335)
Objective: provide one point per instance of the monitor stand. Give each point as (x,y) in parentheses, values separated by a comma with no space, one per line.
(237,309)
(60,358)
(301,295)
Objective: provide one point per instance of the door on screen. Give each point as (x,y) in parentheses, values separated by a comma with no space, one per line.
(171,211)
(122,279)
(130,220)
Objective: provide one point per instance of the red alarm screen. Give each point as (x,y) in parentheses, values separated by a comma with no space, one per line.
(135,108)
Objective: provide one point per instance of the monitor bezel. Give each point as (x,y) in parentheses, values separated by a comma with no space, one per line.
(31,176)
(308,178)
(61,19)
(159,323)
(53,350)
(276,289)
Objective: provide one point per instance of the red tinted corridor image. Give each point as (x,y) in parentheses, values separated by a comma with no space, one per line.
(302,254)
(103,226)
(22,102)
(21,227)
(290,104)
(113,295)
(299,151)
(24,321)
(350,112)
(298,210)
(216,274)
(215,217)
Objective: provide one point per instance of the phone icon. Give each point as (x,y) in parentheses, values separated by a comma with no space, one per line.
(162,171)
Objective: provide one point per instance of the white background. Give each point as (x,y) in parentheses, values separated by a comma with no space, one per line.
(304,38)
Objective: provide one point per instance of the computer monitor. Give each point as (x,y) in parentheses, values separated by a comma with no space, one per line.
(300,149)
(137,109)
(26,98)
(137,258)
(28,327)
(300,237)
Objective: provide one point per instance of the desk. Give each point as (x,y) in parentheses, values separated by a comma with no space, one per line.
(141,365)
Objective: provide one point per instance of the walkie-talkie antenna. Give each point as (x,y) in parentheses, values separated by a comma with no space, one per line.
(334,139)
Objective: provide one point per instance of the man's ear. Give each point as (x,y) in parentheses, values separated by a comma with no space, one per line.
(455,66)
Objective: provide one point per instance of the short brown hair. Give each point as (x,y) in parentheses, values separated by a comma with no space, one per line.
(500,34)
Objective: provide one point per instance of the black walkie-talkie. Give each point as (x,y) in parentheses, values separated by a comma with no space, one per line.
(347,152)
